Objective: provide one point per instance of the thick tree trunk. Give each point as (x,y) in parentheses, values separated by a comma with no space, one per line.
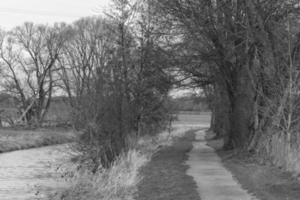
(242,110)
(221,110)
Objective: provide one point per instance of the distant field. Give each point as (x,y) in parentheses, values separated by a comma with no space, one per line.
(194,118)
(58,113)
(11,140)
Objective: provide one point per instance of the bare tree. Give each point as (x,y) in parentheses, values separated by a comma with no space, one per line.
(237,41)
(113,82)
(78,61)
(30,53)
(12,83)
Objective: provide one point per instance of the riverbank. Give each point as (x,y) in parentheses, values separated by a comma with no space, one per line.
(14,139)
(121,181)
(264,180)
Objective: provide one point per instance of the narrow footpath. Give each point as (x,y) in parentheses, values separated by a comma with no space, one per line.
(214,182)
(189,170)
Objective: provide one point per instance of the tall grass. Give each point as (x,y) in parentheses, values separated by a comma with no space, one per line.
(118,182)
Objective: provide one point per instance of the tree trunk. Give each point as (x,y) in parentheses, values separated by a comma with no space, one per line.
(221,109)
(242,110)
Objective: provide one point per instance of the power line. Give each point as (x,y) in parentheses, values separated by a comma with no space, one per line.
(37,12)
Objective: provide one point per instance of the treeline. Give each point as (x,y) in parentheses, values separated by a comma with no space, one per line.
(117,70)
(112,69)
(246,55)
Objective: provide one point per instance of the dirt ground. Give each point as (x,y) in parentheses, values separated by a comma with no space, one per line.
(164,177)
(266,182)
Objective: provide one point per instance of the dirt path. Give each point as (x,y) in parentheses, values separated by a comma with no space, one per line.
(213,180)
(165,178)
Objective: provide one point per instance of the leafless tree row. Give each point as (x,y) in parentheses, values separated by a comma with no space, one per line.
(245,54)
(28,57)
(112,70)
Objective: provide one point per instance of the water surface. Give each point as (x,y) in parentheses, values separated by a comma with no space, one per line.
(31,174)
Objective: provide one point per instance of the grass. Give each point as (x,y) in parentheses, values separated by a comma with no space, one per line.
(194,119)
(59,113)
(116,183)
(121,180)
(13,139)
(264,180)
(165,178)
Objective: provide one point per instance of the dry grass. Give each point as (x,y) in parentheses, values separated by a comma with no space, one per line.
(11,140)
(264,180)
(120,181)
(116,183)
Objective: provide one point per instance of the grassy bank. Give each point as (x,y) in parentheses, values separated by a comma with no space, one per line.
(165,178)
(264,180)
(121,180)
(14,139)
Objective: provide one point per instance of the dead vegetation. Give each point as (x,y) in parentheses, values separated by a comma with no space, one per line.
(119,182)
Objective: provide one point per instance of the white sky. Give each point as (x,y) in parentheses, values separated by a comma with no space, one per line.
(16,12)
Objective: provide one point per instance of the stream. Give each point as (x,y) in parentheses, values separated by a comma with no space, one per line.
(34,173)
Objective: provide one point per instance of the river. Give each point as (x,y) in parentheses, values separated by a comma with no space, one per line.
(31,174)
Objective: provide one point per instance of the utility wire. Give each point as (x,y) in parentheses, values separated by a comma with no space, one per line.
(37,12)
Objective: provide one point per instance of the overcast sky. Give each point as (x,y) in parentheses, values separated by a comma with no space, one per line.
(16,12)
